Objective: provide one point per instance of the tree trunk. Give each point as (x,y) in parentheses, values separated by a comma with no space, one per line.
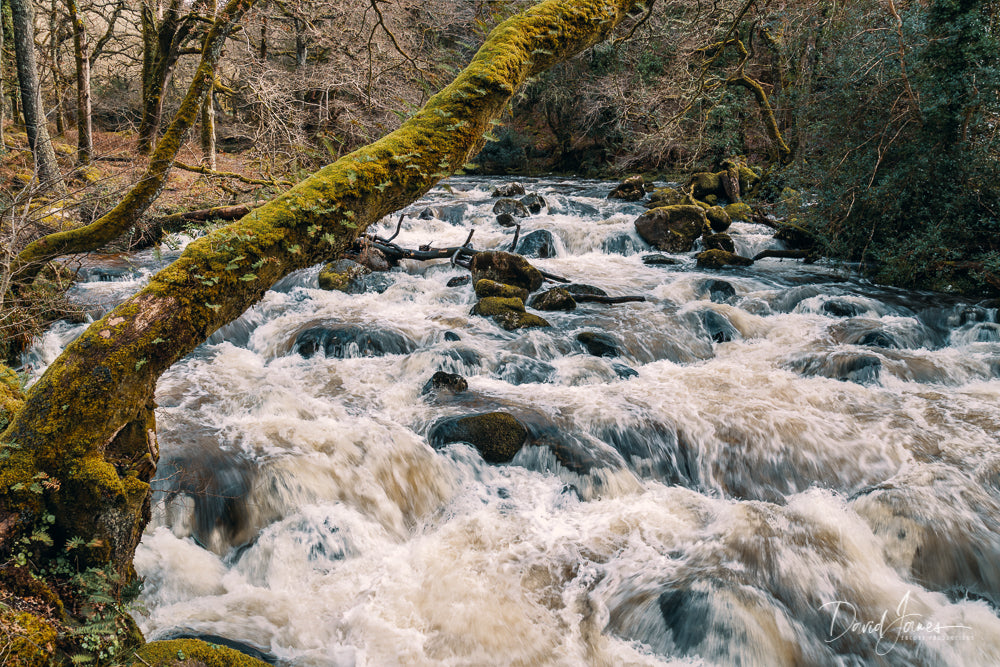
(208,119)
(22,13)
(114,223)
(161,42)
(3,99)
(85,140)
(87,422)
(55,57)
(300,44)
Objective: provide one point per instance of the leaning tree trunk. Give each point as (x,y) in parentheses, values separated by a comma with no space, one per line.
(84,123)
(118,220)
(23,15)
(161,44)
(86,427)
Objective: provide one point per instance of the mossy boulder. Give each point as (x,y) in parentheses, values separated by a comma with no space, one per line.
(718,259)
(508,313)
(739,211)
(508,190)
(26,640)
(672,228)
(191,653)
(338,275)
(718,219)
(706,183)
(64,149)
(666,197)
(487,287)
(89,175)
(553,299)
(497,435)
(507,268)
(719,242)
(712,200)
(632,188)
(11,396)
(511,207)
(749,179)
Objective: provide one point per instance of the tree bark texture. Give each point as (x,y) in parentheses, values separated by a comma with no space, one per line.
(87,421)
(114,223)
(23,16)
(84,122)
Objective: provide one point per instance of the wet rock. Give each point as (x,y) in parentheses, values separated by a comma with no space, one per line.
(869,333)
(485,288)
(705,184)
(666,197)
(553,299)
(534,202)
(460,359)
(497,435)
(508,313)
(659,260)
(624,372)
(719,242)
(718,327)
(506,220)
(672,228)
(512,207)
(719,291)
(348,340)
(371,257)
(718,259)
(580,288)
(622,244)
(507,268)
(451,213)
(338,275)
(739,211)
(718,219)
(442,382)
(518,369)
(842,308)
(457,281)
(599,344)
(631,189)
(653,450)
(539,243)
(508,190)
(985,332)
(451,336)
(878,339)
(375,283)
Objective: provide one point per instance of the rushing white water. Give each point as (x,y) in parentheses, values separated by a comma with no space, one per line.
(802,469)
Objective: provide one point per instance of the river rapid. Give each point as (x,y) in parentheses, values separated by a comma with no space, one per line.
(784,465)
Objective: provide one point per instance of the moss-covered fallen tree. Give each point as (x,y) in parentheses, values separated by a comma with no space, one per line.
(79,454)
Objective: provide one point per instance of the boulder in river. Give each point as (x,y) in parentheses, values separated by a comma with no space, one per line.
(719,291)
(622,243)
(338,275)
(507,268)
(556,298)
(599,343)
(442,382)
(718,219)
(512,207)
(508,190)
(506,220)
(659,260)
(534,202)
(719,242)
(719,259)
(718,328)
(486,287)
(508,313)
(632,188)
(666,197)
(350,340)
(539,243)
(672,228)
(497,435)
(458,281)
(580,288)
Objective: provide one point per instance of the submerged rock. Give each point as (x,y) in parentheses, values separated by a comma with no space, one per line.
(659,260)
(599,344)
(457,281)
(718,259)
(486,287)
(580,288)
(553,299)
(451,336)
(508,190)
(719,291)
(718,327)
(348,340)
(622,244)
(507,268)
(539,243)
(672,228)
(508,313)
(534,202)
(518,369)
(442,382)
(511,207)
(631,189)
(497,435)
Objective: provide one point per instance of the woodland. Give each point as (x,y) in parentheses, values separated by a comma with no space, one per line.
(870,129)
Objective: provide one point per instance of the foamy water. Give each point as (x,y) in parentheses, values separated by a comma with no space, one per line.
(802,469)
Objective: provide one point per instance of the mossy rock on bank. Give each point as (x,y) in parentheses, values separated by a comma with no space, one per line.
(11,396)
(718,259)
(667,197)
(497,435)
(739,211)
(718,219)
(507,268)
(487,287)
(705,183)
(553,299)
(508,313)
(26,640)
(632,188)
(191,653)
(796,236)
(672,228)
(719,242)
(338,275)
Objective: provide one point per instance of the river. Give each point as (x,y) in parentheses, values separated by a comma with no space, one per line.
(784,465)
